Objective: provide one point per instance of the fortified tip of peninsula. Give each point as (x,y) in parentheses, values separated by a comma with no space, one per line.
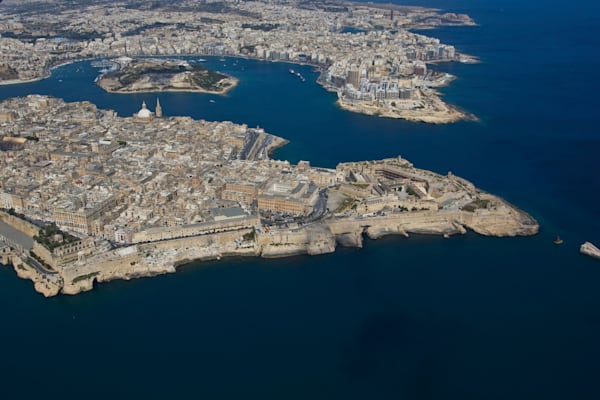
(90,196)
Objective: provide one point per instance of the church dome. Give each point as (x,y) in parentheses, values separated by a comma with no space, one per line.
(144,113)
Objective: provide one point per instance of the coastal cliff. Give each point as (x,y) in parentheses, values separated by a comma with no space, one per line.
(46,284)
(318,238)
(313,240)
(164,256)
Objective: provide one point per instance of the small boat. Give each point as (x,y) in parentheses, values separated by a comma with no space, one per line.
(558,240)
(211,101)
(292,71)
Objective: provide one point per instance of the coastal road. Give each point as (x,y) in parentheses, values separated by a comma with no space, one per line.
(39,267)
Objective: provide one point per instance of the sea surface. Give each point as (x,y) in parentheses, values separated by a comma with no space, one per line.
(468,317)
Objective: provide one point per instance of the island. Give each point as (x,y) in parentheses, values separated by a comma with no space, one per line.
(368,54)
(163,75)
(88,196)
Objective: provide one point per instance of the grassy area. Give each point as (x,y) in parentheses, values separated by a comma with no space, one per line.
(42,262)
(46,237)
(410,191)
(361,185)
(200,75)
(208,80)
(346,204)
(250,236)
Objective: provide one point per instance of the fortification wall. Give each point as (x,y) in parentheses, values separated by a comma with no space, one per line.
(28,228)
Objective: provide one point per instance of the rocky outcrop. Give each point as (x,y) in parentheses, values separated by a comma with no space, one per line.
(502,221)
(46,284)
(350,239)
(313,240)
(153,259)
(590,250)
(488,215)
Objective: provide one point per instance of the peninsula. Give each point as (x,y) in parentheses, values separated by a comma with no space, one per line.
(365,52)
(88,196)
(163,75)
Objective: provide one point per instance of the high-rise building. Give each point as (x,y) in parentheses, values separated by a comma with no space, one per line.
(353,78)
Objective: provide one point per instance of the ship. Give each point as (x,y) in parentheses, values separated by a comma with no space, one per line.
(558,240)
(297,74)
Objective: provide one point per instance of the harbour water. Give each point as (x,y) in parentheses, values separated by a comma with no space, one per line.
(418,318)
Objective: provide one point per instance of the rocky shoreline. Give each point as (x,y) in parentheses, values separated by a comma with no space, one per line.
(152,259)
(590,250)
(444,115)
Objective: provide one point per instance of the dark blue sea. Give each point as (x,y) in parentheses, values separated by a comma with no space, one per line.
(419,318)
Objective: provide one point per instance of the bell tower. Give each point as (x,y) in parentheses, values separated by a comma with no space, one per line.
(158,111)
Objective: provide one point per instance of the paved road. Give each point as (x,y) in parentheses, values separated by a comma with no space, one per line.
(39,267)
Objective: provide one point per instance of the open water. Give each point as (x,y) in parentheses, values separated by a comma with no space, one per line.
(420,318)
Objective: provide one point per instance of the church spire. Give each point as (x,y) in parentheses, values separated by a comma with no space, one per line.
(158,111)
